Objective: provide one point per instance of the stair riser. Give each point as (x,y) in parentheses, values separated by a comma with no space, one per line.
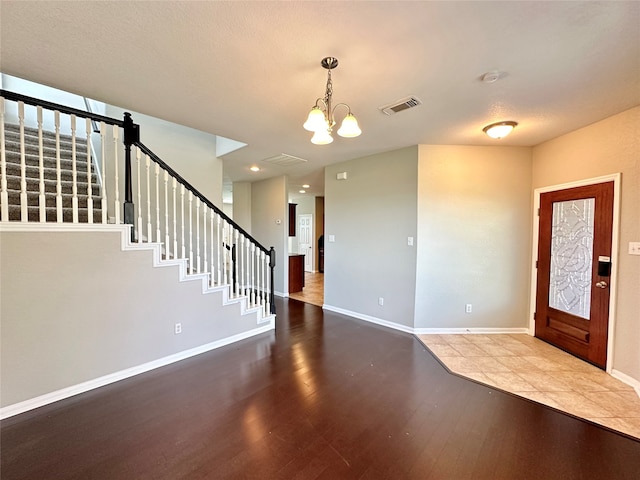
(32,173)
(51,215)
(13,129)
(48,140)
(33,199)
(34,158)
(50,163)
(34,149)
(14,183)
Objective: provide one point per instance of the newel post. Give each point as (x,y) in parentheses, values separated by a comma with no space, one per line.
(272,266)
(131,136)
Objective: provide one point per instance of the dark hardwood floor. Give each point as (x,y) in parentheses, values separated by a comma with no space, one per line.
(324,397)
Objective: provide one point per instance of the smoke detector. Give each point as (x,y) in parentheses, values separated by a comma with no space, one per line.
(400,105)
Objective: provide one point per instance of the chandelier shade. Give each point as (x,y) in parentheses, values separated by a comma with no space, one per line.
(316,120)
(349,127)
(321,119)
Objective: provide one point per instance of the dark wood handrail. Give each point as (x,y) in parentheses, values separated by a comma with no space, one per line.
(18,97)
(190,187)
(132,138)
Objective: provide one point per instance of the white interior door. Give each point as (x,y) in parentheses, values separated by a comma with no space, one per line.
(305,240)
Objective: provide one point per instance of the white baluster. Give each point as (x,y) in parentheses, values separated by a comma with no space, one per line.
(205,266)
(116,189)
(175,219)
(242,251)
(89,176)
(4,189)
(190,232)
(218,246)
(238,253)
(212,244)
(139,204)
(103,155)
(182,220)
(24,212)
(59,217)
(198,235)
(253,274)
(225,254)
(41,197)
(167,251)
(74,171)
(157,172)
(147,166)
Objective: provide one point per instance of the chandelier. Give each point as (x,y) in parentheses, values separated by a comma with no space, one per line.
(321,117)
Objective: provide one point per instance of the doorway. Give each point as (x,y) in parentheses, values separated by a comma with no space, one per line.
(305,240)
(575,256)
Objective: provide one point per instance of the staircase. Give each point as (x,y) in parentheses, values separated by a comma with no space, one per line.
(49,177)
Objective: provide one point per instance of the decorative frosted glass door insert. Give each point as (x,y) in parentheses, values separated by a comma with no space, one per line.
(571,256)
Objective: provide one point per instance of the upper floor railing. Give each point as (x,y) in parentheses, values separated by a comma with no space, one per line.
(50,175)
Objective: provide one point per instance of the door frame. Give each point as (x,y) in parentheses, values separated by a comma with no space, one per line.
(615,232)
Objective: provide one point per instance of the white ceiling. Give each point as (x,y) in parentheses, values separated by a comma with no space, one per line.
(250,71)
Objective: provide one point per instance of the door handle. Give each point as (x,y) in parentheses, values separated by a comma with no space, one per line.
(602,284)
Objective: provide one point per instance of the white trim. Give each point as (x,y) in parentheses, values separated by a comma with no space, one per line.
(471,331)
(420,331)
(623,377)
(67,392)
(62,227)
(615,239)
(368,318)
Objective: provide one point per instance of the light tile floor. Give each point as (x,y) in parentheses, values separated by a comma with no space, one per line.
(531,368)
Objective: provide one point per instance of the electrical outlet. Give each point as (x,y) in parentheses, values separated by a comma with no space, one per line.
(468,308)
(380,301)
(410,241)
(178,328)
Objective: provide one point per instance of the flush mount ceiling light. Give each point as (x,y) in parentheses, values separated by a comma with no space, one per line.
(254,169)
(321,117)
(500,129)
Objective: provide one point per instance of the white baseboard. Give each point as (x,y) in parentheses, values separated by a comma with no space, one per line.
(632,382)
(368,318)
(24,406)
(421,331)
(471,331)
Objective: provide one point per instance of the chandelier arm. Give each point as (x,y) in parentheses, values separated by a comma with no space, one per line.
(338,105)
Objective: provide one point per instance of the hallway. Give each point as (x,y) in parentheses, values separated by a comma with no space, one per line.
(313,291)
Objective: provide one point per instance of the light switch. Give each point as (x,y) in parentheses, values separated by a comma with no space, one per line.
(332,238)
(634,248)
(410,241)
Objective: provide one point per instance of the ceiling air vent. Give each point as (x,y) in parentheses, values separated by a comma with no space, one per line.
(284,160)
(400,105)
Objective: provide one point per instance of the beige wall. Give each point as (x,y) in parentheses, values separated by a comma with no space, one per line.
(91,310)
(242,205)
(269,225)
(609,146)
(371,215)
(474,235)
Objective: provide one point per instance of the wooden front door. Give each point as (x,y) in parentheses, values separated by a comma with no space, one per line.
(574,265)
